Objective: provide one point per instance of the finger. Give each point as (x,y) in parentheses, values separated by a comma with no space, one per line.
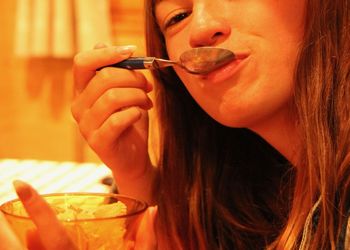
(112,101)
(8,239)
(86,63)
(110,77)
(34,241)
(112,128)
(104,80)
(52,233)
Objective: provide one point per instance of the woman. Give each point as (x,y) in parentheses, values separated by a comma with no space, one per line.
(247,151)
(291,89)
(255,155)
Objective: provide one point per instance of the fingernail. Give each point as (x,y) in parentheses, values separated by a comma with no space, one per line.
(100,45)
(126,50)
(149,104)
(23,190)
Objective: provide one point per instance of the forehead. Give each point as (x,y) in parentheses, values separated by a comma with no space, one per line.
(156,2)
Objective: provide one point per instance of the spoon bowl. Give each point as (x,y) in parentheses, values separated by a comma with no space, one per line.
(200,60)
(203,60)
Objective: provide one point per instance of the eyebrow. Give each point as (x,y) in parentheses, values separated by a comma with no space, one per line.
(156,2)
(159,1)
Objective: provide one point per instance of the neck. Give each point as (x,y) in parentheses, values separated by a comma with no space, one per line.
(281,132)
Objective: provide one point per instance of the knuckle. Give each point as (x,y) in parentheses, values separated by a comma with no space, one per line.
(93,140)
(114,122)
(84,132)
(110,96)
(79,60)
(105,74)
(75,111)
(84,126)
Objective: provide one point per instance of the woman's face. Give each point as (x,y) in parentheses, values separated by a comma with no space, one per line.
(264,34)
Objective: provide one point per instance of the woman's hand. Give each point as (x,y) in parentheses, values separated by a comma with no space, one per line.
(50,233)
(8,238)
(110,108)
(142,232)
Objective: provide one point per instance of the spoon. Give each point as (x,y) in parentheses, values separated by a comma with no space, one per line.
(200,60)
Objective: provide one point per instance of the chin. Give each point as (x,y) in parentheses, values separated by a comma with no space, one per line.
(232,122)
(236,118)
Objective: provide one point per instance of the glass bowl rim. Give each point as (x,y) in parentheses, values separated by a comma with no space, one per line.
(143,206)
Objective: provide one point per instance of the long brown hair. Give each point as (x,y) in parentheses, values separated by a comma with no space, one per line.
(226,188)
(322,98)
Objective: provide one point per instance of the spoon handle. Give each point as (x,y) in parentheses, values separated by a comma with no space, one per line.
(134,63)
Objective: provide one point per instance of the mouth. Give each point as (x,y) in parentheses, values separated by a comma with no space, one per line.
(228,70)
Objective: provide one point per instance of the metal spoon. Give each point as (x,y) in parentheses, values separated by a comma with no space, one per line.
(200,60)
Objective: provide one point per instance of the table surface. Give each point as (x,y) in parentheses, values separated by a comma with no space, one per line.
(51,176)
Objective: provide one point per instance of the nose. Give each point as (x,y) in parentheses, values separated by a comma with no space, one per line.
(208,28)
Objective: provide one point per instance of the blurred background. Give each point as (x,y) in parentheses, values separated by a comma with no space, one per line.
(38,41)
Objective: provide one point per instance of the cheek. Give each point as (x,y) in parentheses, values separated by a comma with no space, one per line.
(177,44)
(257,95)
(251,108)
(173,49)
(264,87)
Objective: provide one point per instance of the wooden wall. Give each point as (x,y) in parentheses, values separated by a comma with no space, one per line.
(35,94)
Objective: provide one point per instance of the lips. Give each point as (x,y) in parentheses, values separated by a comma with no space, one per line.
(227,71)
